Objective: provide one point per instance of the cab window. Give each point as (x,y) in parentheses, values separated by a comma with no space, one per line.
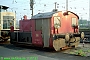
(57,22)
(73,21)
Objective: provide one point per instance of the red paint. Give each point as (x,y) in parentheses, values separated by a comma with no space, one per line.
(51,43)
(33,25)
(37,38)
(52,31)
(36,35)
(66,27)
(25,25)
(66,24)
(29,26)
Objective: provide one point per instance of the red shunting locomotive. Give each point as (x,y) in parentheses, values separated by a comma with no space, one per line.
(52,29)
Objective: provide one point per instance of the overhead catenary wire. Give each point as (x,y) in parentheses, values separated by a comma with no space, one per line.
(45,5)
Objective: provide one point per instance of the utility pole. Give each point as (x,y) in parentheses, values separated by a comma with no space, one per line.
(89,10)
(66,5)
(31,6)
(55,5)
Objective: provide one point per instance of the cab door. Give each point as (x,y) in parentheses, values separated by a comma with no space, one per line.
(46,31)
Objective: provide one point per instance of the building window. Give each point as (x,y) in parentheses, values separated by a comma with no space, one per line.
(4,24)
(7,22)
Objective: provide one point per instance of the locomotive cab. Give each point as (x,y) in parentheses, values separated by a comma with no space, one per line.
(52,29)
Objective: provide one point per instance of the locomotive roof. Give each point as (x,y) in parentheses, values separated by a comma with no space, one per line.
(43,15)
(48,15)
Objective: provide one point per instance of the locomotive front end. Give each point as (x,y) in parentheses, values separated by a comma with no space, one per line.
(65,31)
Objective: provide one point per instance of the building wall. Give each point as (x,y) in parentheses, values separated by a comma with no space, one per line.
(7,14)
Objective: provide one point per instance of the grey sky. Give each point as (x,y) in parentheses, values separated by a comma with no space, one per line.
(22,7)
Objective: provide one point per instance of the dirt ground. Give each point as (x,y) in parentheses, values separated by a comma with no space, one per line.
(81,50)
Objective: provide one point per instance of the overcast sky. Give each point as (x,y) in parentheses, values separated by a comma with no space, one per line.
(22,7)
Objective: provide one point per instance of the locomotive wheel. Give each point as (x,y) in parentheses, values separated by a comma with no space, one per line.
(82,35)
(5,39)
(67,37)
(75,42)
(56,45)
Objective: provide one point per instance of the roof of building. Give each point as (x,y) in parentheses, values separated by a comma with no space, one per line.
(3,7)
